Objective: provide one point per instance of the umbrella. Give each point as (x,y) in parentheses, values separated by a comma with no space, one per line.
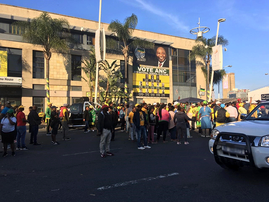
(190,100)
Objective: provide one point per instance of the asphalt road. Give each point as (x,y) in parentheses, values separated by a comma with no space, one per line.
(74,171)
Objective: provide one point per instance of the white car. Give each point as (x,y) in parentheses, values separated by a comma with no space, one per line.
(244,142)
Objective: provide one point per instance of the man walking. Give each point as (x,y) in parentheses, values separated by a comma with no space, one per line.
(34,121)
(21,129)
(105,127)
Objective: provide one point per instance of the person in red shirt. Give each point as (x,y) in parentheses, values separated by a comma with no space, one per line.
(21,129)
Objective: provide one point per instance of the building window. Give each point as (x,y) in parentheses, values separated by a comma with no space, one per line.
(75,66)
(78,38)
(4,27)
(14,61)
(76,88)
(38,87)
(39,102)
(184,71)
(90,40)
(16,29)
(38,64)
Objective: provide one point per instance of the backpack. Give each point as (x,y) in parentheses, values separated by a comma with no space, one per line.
(61,112)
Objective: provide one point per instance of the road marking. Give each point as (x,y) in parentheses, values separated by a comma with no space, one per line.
(89,152)
(122,184)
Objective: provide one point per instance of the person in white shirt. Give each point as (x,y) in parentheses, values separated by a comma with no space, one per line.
(8,132)
(233,113)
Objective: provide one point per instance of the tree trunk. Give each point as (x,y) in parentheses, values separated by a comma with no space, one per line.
(47,80)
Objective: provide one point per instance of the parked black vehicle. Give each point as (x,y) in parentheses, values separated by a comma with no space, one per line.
(76,112)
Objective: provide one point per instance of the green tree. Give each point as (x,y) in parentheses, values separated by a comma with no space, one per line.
(203,52)
(89,69)
(49,33)
(112,75)
(124,33)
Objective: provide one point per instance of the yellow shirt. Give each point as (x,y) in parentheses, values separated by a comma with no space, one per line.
(193,111)
(216,115)
(65,118)
(131,116)
(142,121)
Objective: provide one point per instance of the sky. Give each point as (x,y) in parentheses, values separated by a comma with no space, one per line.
(246,26)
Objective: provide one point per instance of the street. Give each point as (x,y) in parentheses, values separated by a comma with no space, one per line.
(74,171)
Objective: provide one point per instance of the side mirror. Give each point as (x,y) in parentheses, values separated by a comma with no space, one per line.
(243,116)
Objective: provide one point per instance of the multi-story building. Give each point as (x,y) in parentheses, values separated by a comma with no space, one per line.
(22,74)
(228,84)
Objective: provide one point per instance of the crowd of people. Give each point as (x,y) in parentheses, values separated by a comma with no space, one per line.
(13,125)
(144,123)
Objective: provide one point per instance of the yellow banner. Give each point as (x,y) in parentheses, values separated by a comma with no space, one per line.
(3,63)
(151,85)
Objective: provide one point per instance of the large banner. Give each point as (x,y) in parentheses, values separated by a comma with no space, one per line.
(150,72)
(217,57)
(3,63)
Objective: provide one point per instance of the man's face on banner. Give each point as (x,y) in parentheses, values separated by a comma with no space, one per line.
(161,54)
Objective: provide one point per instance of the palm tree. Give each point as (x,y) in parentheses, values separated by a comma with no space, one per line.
(112,74)
(203,51)
(48,33)
(124,32)
(89,69)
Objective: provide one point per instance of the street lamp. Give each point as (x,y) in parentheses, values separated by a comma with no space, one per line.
(219,83)
(216,43)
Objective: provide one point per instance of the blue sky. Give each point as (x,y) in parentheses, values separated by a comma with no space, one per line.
(246,26)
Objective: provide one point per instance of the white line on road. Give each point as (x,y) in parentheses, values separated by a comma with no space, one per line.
(136,181)
(89,152)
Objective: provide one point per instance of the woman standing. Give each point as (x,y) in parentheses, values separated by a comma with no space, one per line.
(205,117)
(172,126)
(8,131)
(180,120)
(163,122)
(152,123)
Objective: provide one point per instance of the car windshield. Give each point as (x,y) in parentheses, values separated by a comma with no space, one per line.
(261,112)
(74,108)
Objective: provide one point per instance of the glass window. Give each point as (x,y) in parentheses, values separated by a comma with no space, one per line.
(90,40)
(78,38)
(16,29)
(38,64)
(14,61)
(75,63)
(173,52)
(4,27)
(74,108)
(39,102)
(76,88)
(174,61)
(38,87)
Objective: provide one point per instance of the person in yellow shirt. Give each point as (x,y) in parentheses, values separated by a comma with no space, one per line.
(193,110)
(241,110)
(221,116)
(145,109)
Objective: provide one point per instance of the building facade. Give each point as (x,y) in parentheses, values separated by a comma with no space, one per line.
(228,84)
(22,74)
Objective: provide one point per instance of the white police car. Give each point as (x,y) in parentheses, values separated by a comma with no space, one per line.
(243,143)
